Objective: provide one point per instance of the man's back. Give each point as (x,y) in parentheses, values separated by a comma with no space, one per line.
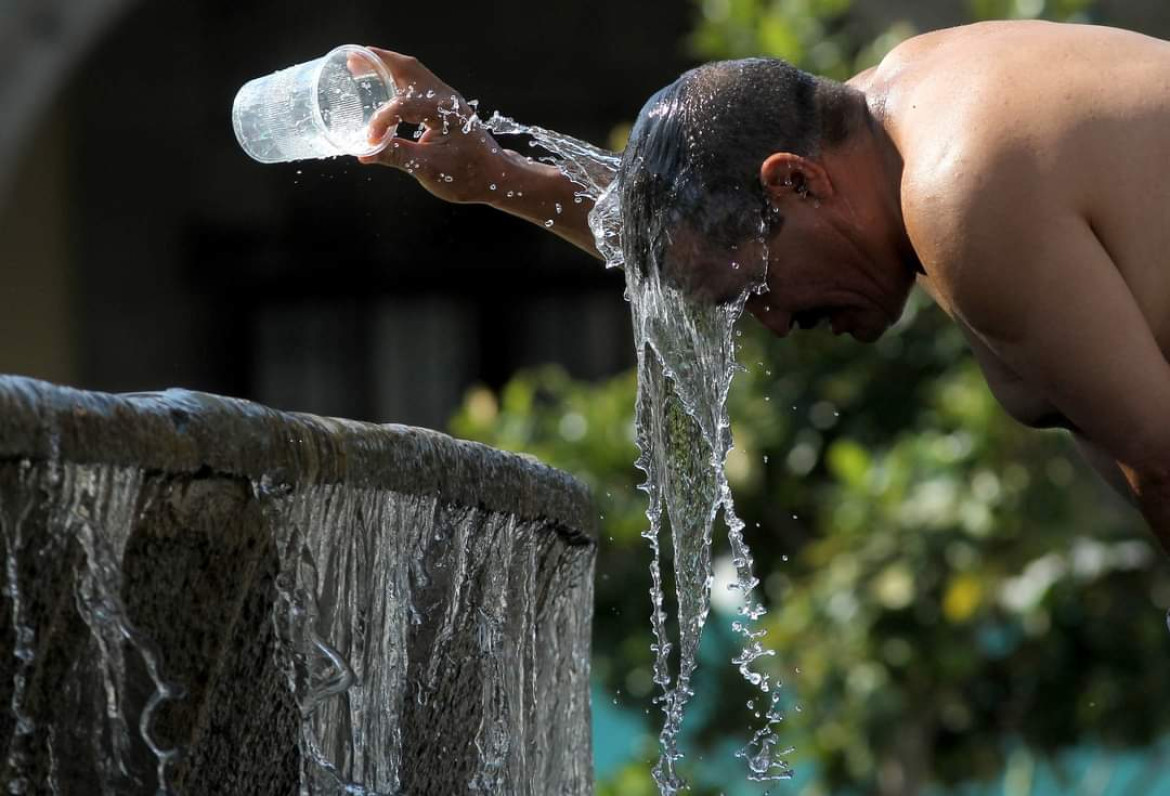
(1036,193)
(1050,119)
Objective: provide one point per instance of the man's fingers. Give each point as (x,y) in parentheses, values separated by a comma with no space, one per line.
(414,109)
(389,115)
(405,69)
(399,154)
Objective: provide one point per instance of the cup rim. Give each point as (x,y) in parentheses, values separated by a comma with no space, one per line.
(383,73)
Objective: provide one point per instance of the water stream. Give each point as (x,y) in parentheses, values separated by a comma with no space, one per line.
(686,362)
(102,722)
(369,645)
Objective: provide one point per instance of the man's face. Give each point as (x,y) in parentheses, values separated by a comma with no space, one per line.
(712,272)
(815,274)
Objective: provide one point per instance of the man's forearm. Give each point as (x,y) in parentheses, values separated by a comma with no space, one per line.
(1153,492)
(1156,510)
(1147,492)
(540,193)
(1106,467)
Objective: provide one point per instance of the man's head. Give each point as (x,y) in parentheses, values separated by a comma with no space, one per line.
(738,161)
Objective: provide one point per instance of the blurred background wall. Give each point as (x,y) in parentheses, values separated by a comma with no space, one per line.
(141,249)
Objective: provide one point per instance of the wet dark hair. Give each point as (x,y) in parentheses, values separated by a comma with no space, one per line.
(695,151)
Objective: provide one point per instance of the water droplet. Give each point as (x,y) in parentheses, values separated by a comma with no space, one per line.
(548,223)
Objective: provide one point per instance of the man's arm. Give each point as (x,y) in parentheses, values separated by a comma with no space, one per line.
(1024,404)
(458,160)
(1024,271)
(1107,468)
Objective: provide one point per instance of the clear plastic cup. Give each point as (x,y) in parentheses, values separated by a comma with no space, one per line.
(318,109)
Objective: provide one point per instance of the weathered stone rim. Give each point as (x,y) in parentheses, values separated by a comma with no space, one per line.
(180,431)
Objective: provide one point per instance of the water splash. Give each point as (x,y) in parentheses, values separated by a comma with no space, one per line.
(98,513)
(87,519)
(24,634)
(589,166)
(686,362)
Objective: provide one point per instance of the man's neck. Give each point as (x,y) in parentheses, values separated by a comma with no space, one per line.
(870,168)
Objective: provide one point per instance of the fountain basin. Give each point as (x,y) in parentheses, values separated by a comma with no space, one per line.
(204,595)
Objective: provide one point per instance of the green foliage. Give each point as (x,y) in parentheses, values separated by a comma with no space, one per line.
(944,583)
(817,35)
(1065,10)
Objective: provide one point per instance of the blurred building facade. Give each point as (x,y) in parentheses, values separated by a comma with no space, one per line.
(141,249)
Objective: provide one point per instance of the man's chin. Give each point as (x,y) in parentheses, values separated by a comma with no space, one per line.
(863,328)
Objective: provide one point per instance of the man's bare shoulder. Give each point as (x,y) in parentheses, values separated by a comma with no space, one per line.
(999,158)
(1003,84)
(963,211)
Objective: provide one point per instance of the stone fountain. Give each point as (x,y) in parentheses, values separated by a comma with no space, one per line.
(202,595)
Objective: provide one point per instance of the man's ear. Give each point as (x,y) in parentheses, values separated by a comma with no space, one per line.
(784,174)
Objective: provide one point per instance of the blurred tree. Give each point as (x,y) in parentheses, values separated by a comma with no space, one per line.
(960,588)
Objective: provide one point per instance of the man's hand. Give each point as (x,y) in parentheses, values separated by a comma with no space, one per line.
(455,157)
(458,160)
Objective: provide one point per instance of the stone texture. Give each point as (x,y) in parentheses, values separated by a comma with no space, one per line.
(179,431)
(200,578)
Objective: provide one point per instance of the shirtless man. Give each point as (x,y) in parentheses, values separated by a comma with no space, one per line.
(1019,172)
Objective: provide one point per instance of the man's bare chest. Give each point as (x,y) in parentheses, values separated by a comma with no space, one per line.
(1022,400)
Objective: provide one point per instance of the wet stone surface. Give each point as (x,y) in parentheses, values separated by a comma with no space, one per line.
(207,596)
